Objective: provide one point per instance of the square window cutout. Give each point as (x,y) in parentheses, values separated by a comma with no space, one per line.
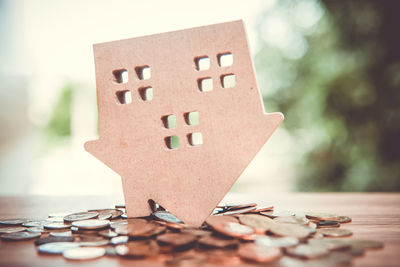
(205,84)
(202,63)
(228,81)
(120,76)
(124,97)
(169,121)
(195,139)
(172,142)
(192,118)
(146,93)
(143,72)
(225,59)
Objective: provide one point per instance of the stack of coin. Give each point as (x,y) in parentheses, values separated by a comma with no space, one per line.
(233,234)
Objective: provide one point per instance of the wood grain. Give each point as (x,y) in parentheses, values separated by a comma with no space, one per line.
(375,216)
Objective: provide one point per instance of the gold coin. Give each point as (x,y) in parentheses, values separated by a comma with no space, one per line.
(176,239)
(292,219)
(138,249)
(276,242)
(335,232)
(256,221)
(320,216)
(214,220)
(233,229)
(217,242)
(308,251)
(260,254)
(290,230)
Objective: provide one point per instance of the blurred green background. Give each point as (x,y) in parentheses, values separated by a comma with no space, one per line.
(332,68)
(341,94)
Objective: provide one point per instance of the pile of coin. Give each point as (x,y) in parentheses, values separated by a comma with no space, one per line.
(233,234)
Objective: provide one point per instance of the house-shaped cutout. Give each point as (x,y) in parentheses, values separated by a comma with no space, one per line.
(180,117)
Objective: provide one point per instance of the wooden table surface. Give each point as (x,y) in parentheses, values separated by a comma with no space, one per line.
(375,216)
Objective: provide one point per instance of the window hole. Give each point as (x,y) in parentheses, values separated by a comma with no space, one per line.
(172,142)
(205,84)
(169,121)
(146,93)
(143,72)
(225,59)
(120,76)
(202,63)
(195,139)
(192,118)
(124,97)
(228,80)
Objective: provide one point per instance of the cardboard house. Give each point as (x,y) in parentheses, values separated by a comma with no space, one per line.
(180,117)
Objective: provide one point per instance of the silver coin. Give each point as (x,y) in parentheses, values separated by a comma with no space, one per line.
(166,217)
(34,223)
(236,206)
(108,233)
(121,250)
(121,230)
(153,205)
(12,221)
(217,210)
(59,214)
(327,224)
(76,230)
(311,230)
(110,251)
(119,240)
(277,242)
(100,243)
(292,219)
(13,229)
(317,236)
(19,236)
(91,224)
(105,214)
(118,223)
(277,213)
(53,239)
(55,219)
(83,253)
(318,262)
(36,229)
(56,225)
(80,216)
(61,233)
(236,211)
(56,247)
